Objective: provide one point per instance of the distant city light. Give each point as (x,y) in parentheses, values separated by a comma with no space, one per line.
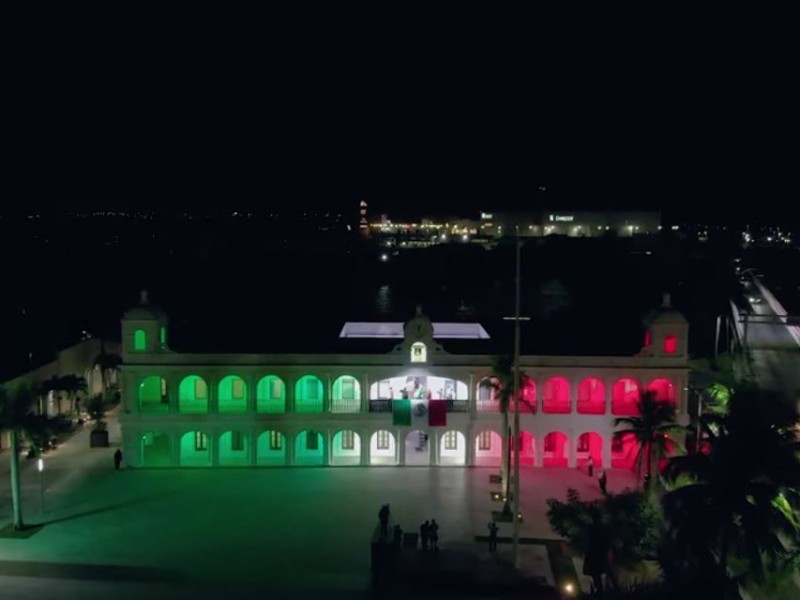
(465,238)
(384,257)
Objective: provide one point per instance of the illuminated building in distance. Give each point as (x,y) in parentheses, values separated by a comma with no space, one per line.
(390,394)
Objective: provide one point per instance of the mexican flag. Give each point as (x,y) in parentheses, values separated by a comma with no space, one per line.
(401,412)
(437,413)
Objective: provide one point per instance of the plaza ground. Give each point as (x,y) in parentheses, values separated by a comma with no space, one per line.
(306,530)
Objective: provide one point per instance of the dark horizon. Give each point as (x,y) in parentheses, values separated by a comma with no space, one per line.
(416,108)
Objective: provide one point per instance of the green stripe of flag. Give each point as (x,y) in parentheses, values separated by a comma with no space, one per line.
(401,412)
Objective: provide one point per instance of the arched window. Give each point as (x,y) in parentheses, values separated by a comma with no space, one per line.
(663,390)
(232,394)
(670,344)
(591,397)
(647,338)
(140,340)
(556,396)
(308,395)
(625,397)
(162,336)
(419,353)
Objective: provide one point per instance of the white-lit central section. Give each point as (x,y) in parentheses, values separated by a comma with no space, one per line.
(418,387)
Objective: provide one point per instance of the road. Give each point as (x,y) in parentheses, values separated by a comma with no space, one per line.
(774,349)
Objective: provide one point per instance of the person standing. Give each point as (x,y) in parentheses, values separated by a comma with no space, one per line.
(424,531)
(590,466)
(602,480)
(434,535)
(383,518)
(492,536)
(117,459)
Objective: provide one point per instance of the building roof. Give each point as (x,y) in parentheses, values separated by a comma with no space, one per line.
(394,330)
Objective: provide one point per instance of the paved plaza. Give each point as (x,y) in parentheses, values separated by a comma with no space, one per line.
(300,529)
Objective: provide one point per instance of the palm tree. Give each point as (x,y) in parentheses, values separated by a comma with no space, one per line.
(17,418)
(73,384)
(108,363)
(653,429)
(739,516)
(502,384)
(53,384)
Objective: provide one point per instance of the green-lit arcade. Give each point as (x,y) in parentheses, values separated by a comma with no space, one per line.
(414,405)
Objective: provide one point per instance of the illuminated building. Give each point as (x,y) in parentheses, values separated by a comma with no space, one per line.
(394,394)
(570,223)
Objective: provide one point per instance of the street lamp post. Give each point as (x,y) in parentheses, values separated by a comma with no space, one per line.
(40,467)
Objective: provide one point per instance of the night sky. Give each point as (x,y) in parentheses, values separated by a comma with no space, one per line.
(429,107)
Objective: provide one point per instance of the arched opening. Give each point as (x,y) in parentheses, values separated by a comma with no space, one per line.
(488,396)
(162,337)
(271,395)
(140,340)
(556,396)
(382,448)
(670,344)
(527,396)
(452,449)
(488,449)
(309,449)
(153,396)
(195,450)
(625,397)
(346,395)
(591,397)
(419,352)
(527,449)
(555,450)
(234,449)
(193,395)
(590,444)
(662,389)
(232,394)
(156,450)
(346,448)
(271,449)
(418,449)
(308,396)
(624,451)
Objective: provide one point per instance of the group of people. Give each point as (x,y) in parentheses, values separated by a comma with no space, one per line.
(428,531)
(602,478)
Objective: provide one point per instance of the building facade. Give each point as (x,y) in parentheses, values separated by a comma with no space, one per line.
(346,409)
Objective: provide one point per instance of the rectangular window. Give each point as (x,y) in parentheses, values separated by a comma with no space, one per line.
(163,337)
(275,440)
(348,389)
(485,393)
(312,389)
(237,443)
(451,440)
(275,389)
(312,440)
(200,442)
(383,440)
(237,390)
(200,389)
(485,441)
(348,440)
(164,397)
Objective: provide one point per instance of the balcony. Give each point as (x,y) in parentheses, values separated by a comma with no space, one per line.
(453,406)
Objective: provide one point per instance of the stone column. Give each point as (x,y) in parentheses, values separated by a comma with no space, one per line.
(606,450)
(538,454)
(365,394)
(400,443)
(574,382)
(213,397)
(434,441)
(473,407)
(327,453)
(572,447)
(327,396)
(469,454)
(252,382)
(364,448)
(289,439)
(253,447)
(609,383)
(289,382)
